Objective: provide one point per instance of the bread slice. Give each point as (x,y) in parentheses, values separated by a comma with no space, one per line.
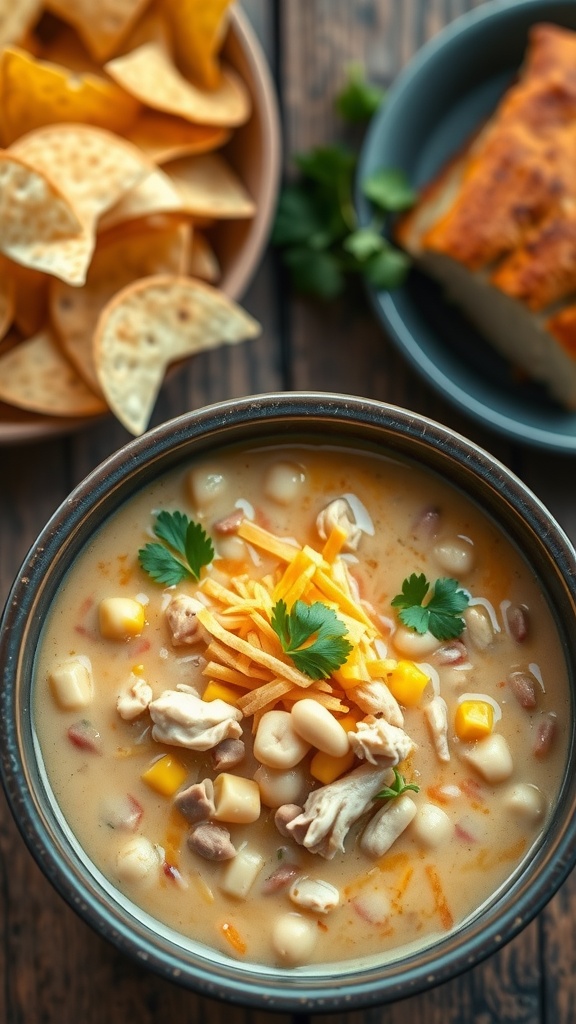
(497,226)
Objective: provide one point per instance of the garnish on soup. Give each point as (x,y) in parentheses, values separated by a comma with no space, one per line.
(263,755)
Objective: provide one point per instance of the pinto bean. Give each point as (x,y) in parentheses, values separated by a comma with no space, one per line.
(518,622)
(523,687)
(284,815)
(227,754)
(281,878)
(230,523)
(546,730)
(211,841)
(427,523)
(452,653)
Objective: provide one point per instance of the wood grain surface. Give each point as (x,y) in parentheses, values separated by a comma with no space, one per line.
(53,968)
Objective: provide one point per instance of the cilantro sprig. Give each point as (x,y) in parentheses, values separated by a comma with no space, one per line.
(317,229)
(398,787)
(186,549)
(312,635)
(441,615)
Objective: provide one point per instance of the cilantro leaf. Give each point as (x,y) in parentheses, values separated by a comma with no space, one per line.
(441,615)
(388,268)
(315,273)
(182,535)
(313,636)
(398,787)
(358,100)
(389,190)
(364,243)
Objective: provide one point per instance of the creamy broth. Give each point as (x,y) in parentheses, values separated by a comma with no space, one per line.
(472,823)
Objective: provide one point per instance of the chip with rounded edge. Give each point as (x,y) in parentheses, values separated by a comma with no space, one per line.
(203,261)
(156,194)
(163,137)
(37,93)
(17,17)
(208,187)
(148,249)
(36,376)
(103,25)
(198,29)
(149,75)
(152,323)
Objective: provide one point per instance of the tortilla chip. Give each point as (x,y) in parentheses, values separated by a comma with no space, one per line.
(152,27)
(101,25)
(203,262)
(39,226)
(199,28)
(156,194)
(7,301)
(148,74)
(150,324)
(36,93)
(93,167)
(36,376)
(16,18)
(119,259)
(65,48)
(208,187)
(163,137)
(30,299)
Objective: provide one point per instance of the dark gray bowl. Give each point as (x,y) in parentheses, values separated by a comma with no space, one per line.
(341,420)
(452,84)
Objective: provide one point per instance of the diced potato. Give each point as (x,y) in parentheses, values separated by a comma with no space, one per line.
(72,684)
(474,720)
(241,873)
(165,775)
(237,799)
(220,691)
(491,757)
(120,618)
(326,768)
(407,683)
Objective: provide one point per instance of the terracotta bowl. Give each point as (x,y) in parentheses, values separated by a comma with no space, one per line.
(342,421)
(254,151)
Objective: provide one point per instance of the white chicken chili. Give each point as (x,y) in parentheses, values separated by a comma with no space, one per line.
(303,705)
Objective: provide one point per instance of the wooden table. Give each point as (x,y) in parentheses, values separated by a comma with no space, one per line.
(54,970)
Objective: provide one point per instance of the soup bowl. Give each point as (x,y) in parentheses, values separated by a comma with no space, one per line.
(334,422)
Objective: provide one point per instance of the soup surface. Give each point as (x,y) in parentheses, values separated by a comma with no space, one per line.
(303,704)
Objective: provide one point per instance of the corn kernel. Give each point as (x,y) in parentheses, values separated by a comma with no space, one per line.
(120,618)
(326,768)
(219,691)
(474,720)
(165,775)
(407,683)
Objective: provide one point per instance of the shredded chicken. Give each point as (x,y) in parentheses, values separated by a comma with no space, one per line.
(436,714)
(330,811)
(182,622)
(339,513)
(135,701)
(182,719)
(376,699)
(196,803)
(377,741)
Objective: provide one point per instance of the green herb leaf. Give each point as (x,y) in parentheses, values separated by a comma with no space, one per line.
(313,636)
(185,537)
(440,615)
(388,268)
(315,273)
(359,100)
(296,217)
(364,243)
(398,787)
(389,190)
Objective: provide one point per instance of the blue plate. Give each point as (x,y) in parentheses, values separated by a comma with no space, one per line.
(452,84)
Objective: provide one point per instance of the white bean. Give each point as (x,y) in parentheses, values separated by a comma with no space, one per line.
(283,482)
(314,894)
(314,723)
(414,645)
(137,861)
(455,555)
(72,684)
(479,627)
(280,787)
(205,484)
(526,801)
(232,548)
(490,757)
(241,873)
(431,826)
(276,743)
(387,825)
(237,799)
(294,938)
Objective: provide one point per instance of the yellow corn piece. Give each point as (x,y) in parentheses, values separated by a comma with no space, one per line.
(350,721)
(165,775)
(120,618)
(326,768)
(474,720)
(138,670)
(334,543)
(380,667)
(261,538)
(407,683)
(219,691)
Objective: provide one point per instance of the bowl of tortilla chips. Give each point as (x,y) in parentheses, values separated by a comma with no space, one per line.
(138,181)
